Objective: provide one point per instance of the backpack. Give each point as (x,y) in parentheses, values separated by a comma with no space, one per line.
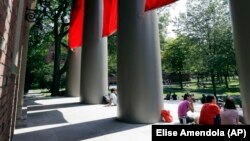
(166,116)
(105,99)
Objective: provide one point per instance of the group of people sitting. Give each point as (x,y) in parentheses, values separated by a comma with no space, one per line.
(210,113)
(171,95)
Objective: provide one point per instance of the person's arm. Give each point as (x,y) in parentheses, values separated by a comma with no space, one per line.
(217,120)
(191,106)
(237,117)
(111,99)
(238,120)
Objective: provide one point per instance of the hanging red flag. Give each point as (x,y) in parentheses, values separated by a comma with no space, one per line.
(109,17)
(76,24)
(153,4)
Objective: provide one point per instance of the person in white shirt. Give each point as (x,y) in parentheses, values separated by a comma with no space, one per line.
(113,98)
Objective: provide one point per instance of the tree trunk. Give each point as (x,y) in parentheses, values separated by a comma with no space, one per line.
(226,82)
(198,80)
(213,82)
(221,79)
(180,80)
(228,75)
(218,78)
(56,74)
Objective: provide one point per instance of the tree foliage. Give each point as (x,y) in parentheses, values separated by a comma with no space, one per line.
(207,24)
(176,57)
(112,54)
(49,33)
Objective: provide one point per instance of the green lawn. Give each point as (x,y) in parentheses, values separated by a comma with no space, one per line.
(191,87)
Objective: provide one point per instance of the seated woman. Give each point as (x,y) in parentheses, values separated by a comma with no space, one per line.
(229,114)
(210,112)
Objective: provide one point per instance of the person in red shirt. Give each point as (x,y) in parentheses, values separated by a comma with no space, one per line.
(210,112)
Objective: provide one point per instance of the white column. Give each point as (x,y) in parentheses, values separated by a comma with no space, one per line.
(94,68)
(74,73)
(240,13)
(23,62)
(139,64)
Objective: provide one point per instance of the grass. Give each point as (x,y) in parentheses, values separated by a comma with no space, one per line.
(191,87)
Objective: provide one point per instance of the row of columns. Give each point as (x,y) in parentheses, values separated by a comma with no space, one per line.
(139,68)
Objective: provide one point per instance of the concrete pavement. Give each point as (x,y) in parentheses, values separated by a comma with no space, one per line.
(64,119)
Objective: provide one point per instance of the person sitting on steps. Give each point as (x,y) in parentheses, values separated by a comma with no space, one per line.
(185,106)
(113,98)
(210,112)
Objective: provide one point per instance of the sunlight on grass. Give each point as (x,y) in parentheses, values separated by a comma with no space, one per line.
(191,87)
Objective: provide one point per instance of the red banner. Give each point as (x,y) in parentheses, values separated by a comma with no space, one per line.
(76,24)
(153,4)
(109,17)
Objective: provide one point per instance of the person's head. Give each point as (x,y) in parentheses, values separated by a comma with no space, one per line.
(203,95)
(229,103)
(187,96)
(112,90)
(211,99)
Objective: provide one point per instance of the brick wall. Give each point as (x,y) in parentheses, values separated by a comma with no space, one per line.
(8,77)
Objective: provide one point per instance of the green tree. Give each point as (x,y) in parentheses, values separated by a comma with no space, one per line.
(112,54)
(59,16)
(205,22)
(176,57)
(163,24)
(53,24)
(39,70)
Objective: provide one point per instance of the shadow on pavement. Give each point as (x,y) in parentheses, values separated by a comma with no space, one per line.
(79,131)
(54,106)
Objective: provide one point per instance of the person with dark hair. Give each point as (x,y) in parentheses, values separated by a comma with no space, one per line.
(185,106)
(229,113)
(113,98)
(174,96)
(203,99)
(210,112)
(168,96)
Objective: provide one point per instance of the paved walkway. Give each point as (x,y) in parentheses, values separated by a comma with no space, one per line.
(64,119)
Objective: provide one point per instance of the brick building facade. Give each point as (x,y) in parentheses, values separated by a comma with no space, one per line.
(13,41)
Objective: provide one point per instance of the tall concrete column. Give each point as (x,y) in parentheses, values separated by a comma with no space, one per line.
(94,68)
(139,64)
(240,13)
(74,73)
(20,51)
